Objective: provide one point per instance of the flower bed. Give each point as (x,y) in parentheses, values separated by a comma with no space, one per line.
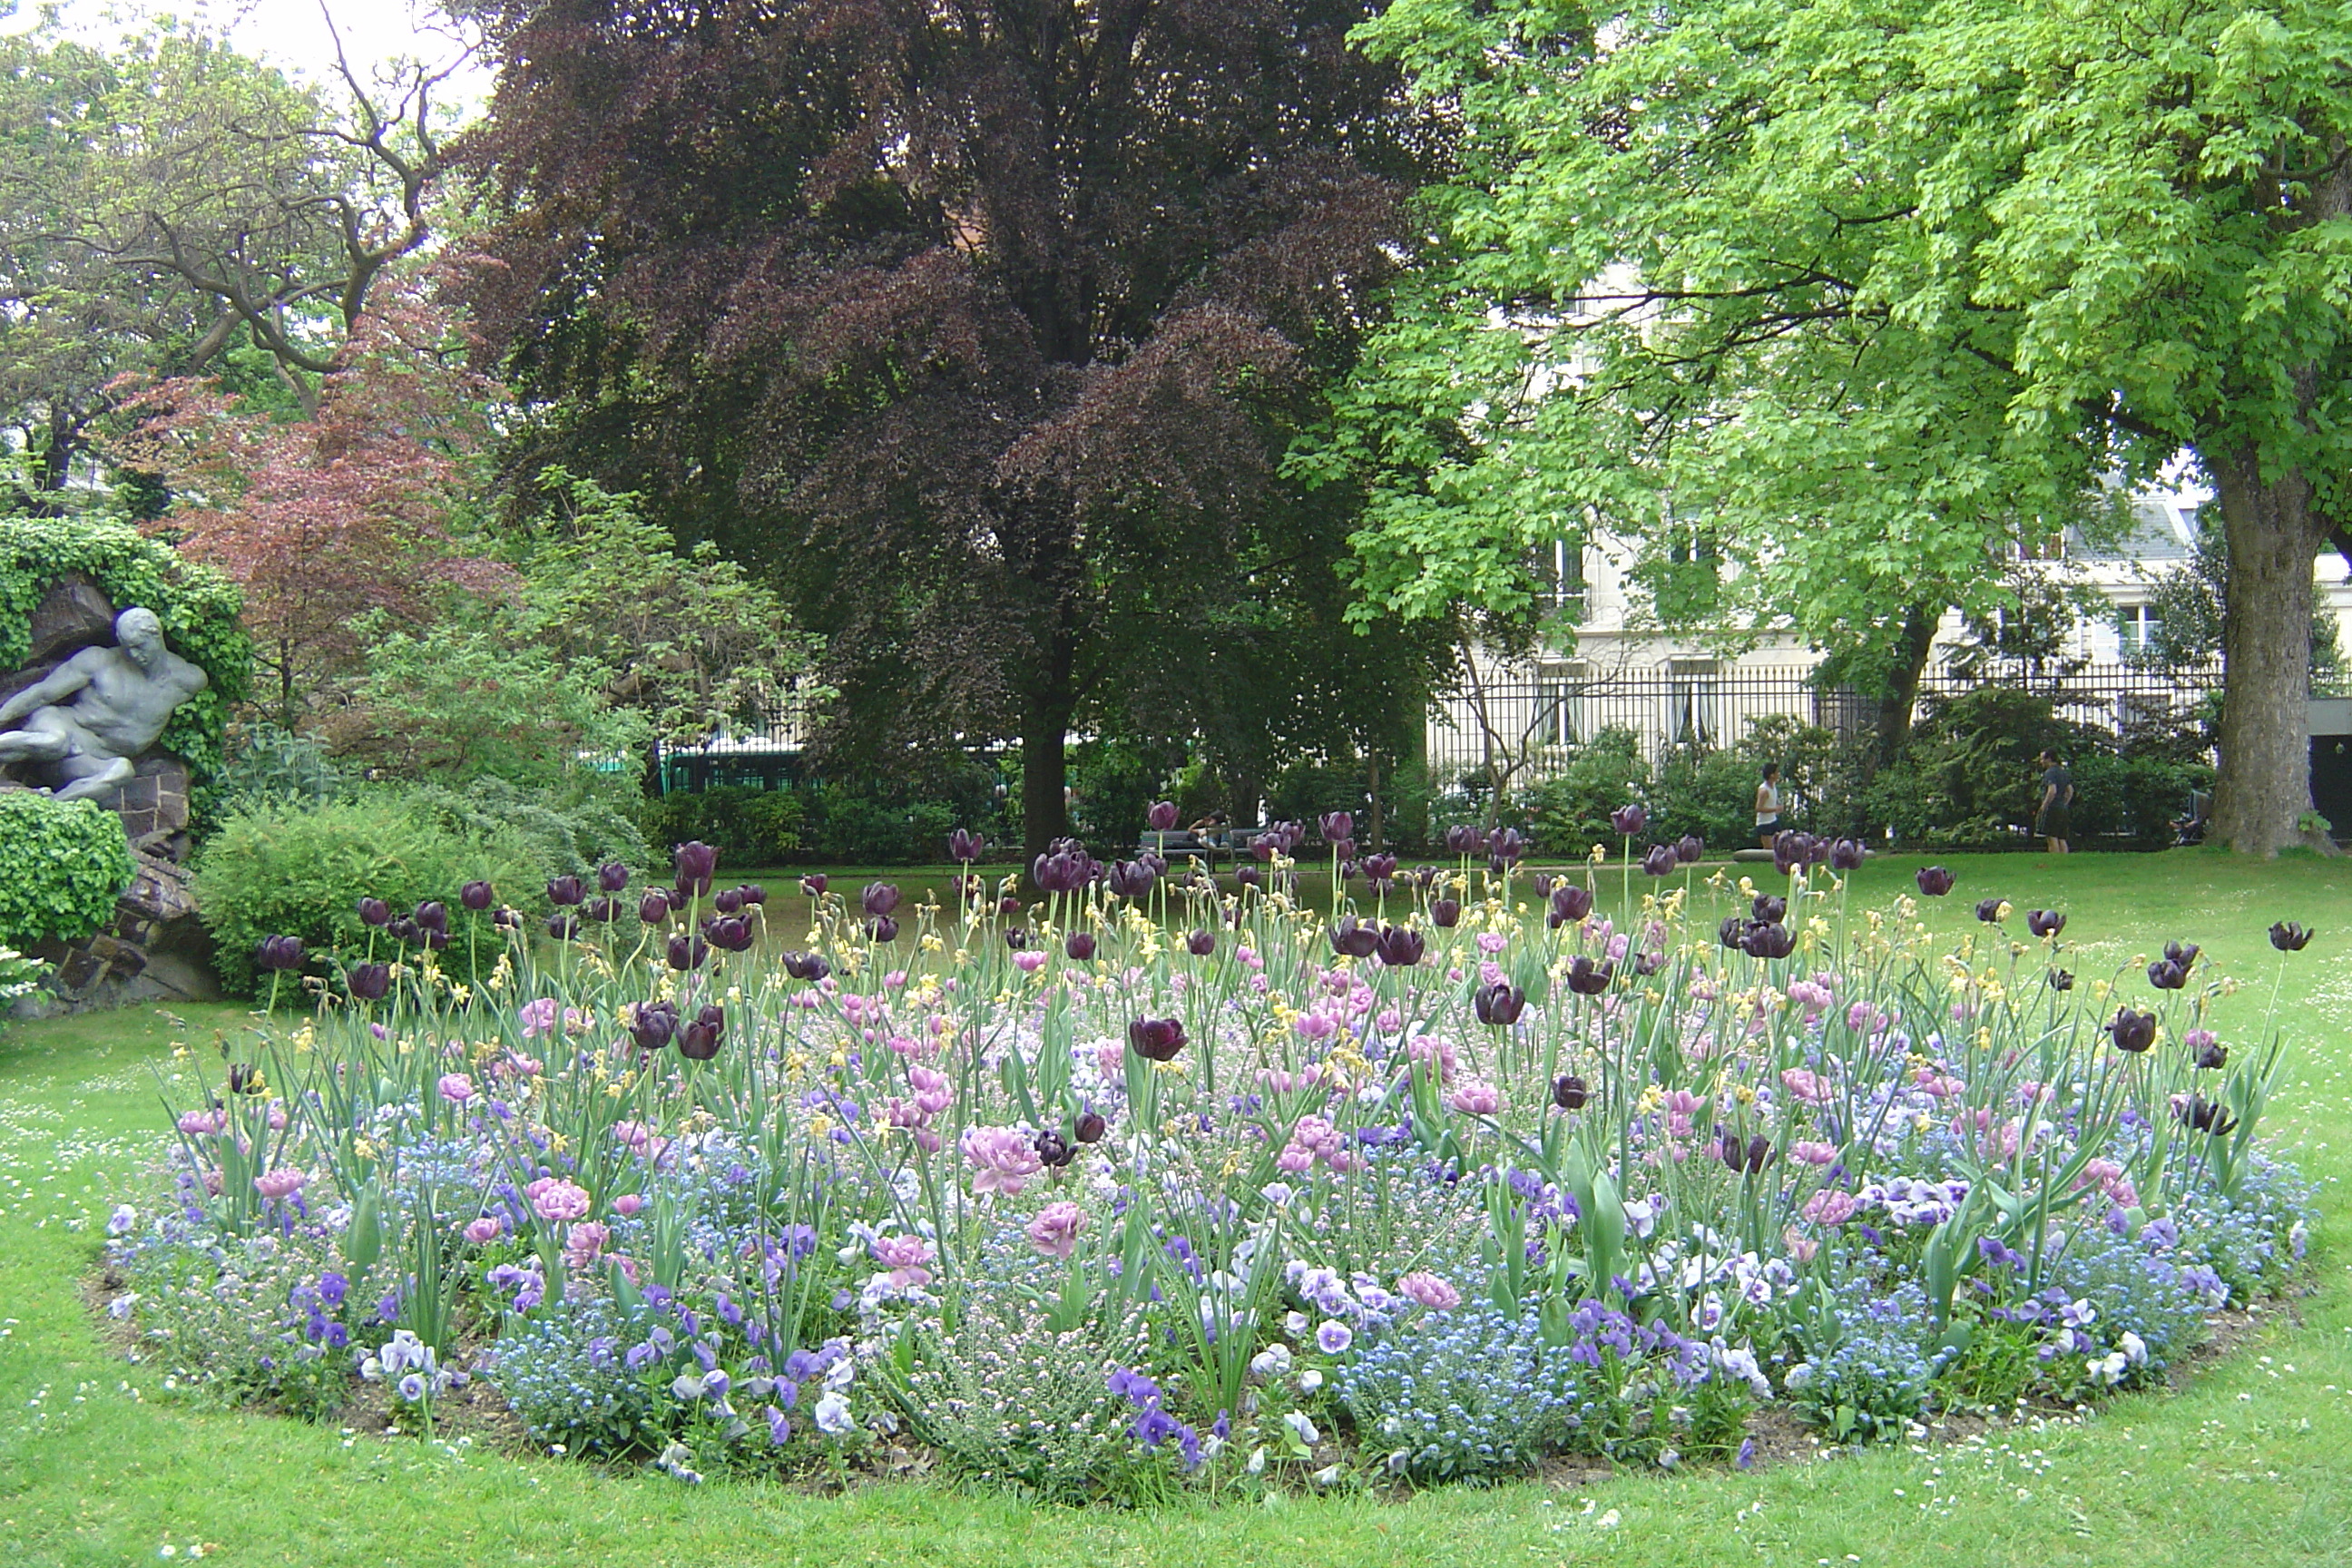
(1148,1186)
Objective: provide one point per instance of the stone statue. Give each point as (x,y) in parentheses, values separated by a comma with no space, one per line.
(88,719)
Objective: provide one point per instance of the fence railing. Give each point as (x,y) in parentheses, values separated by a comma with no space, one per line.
(1528,725)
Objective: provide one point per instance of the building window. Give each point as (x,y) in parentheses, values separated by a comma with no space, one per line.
(1559,572)
(1694,716)
(1559,705)
(2136,628)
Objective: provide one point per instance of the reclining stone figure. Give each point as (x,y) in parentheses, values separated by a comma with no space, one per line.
(87,721)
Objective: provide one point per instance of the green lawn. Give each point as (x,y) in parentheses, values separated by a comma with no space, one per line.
(2251,1465)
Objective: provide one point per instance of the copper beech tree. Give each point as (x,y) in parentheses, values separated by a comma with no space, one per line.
(982,327)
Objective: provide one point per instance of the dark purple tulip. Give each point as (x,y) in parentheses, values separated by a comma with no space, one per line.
(1016,938)
(1750,1157)
(1054,1151)
(964,846)
(1816,850)
(754,893)
(1089,1128)
(602,910)
(1505,848)
(278,952)
(1545,882)
(506,917)
(654,908)
(1008,905)
(2212,1057)
(1380,870)
(698,1041)
(566,891)
(374,911)
(1338,824)
(1629,819)
(1934,881)
(613,876)
(729,934)
(1249,876)
(368,981)
(1587,978)
(1769,910)
(806,966)
(1267,846)
(2167,975)
(1570,902)
(1399,947)
(1201,943)
(728,901)
(436,941)
(654,1024)
(1498,1005)
(1989,911)
(687,954)
(2181,953)
(432,915)
(2044,922)
(477,896)
(402,928)
(563,925)
(1154,861)
(1690,849)
(2059,980)
(1660,861)
(696,863)
(1571,1092)
(1162,816)
(1444,913)
(878,898)
(1060,872)
(1733,931)
(882,929)
(2202,1115)
(2133,1031)
(1129,879)
(1157,1039)
(1789,850)
(1646,964)
(1767,940)
(814,884)
(1847,855)
(1079,945)
(2289,936)
(1464,840)
(1344,848)
(1354,938)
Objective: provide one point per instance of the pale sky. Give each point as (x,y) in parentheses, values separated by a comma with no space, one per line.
(291,33)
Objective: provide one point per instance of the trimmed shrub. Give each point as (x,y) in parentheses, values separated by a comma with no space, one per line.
(62,865)
(301,871)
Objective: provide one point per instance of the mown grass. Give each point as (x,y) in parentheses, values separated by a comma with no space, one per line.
(2249,1464)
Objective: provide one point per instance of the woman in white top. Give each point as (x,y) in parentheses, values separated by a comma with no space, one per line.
(1767,805)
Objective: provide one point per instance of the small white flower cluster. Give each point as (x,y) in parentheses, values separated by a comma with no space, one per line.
(2112,1368)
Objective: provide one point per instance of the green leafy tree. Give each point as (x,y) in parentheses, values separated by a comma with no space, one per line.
(1873,294)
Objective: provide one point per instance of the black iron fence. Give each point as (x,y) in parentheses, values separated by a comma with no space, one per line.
(1529,725)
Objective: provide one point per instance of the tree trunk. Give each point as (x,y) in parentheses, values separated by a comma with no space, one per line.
(1901,694)
(2264,786)
(1045,778)
(1377,825)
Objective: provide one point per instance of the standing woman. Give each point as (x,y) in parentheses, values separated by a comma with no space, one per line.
(2054,822)
(1767,805)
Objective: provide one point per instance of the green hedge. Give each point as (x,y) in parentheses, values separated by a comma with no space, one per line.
(197,606)
(62,865)
(301,871)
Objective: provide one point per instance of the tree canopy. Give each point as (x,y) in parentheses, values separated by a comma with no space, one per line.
(982,328)
(1871,295)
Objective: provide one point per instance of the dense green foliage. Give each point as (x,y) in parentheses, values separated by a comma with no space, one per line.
(300,871)
(197,606)
(63,864)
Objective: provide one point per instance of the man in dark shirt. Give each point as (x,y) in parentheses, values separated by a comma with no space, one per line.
(2054,820)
